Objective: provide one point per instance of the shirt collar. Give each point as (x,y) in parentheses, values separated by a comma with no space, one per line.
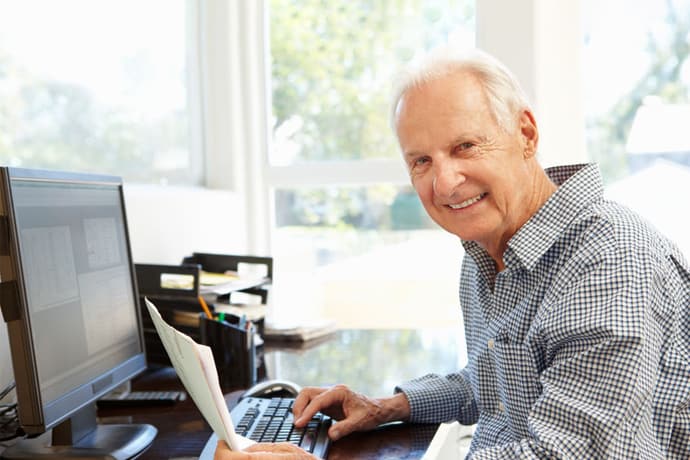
(578,186)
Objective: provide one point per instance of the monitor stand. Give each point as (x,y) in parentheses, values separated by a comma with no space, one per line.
(80,436)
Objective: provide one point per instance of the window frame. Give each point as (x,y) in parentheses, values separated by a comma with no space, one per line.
(236,99)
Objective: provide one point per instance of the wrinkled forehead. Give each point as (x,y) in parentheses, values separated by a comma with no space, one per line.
(456,92)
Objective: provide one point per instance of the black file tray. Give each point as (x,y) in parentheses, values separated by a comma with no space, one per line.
(178,307)
(220,263)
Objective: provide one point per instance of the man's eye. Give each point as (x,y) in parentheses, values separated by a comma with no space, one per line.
(421,161)
(464,146)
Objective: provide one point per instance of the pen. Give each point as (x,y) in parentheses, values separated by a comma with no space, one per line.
(205,307)
(250,335)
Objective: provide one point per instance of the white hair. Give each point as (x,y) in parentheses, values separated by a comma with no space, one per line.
(504,94)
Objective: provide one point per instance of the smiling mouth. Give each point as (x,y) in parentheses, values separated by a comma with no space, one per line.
(468,202)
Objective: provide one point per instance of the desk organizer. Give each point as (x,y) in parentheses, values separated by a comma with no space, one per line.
(178,307)
(233,351)
(220,263)
(178,303)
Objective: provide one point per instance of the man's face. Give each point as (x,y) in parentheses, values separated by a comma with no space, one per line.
(472,177)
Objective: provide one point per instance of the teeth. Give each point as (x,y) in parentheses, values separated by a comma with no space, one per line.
(466,203)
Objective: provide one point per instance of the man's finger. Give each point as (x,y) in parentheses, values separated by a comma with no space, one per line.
(330,398)
(303,399)
(279,447)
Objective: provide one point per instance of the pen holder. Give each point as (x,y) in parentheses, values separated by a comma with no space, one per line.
(233,352)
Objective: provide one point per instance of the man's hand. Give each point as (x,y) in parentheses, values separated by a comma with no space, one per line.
(353,411)
(277,451)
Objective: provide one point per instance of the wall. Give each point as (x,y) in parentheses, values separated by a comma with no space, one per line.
(543,50)
(168,223)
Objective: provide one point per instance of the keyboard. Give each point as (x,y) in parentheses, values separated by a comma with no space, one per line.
(141,398)
(270,420)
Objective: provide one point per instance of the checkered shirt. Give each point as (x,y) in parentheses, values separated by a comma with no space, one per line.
(580,347)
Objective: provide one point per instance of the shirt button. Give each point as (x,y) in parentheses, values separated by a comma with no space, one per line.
(490,344)
(501,407)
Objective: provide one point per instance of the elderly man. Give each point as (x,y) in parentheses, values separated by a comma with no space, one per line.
(576,310)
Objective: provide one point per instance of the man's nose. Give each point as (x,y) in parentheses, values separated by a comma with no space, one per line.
(448,176)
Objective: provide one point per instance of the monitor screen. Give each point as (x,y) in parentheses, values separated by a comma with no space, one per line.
(68,293)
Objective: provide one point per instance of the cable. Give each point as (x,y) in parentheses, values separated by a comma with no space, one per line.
(9,419)
(10,386)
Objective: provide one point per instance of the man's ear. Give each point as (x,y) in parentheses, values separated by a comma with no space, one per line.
(529,132)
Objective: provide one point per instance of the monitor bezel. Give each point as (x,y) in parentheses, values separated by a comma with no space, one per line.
(35,415)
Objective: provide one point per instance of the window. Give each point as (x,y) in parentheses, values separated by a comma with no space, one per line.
(637,94)
(343,208)
(331,68)
(98,86)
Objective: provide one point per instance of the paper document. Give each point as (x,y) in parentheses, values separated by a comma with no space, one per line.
(224,283)
(212,283)
(299,331)
(451,442)
(197,370)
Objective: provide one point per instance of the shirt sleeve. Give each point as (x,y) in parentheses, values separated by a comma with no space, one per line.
(435,399)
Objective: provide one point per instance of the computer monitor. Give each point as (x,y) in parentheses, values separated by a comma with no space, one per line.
(69,298)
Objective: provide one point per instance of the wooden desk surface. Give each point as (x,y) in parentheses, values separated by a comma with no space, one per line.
(371,361)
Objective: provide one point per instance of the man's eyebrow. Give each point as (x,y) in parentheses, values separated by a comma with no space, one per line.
(462,138)
(411,154)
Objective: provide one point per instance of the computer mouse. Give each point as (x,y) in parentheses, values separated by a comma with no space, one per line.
(273,389)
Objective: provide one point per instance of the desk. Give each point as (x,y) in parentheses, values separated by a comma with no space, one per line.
(371,361)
